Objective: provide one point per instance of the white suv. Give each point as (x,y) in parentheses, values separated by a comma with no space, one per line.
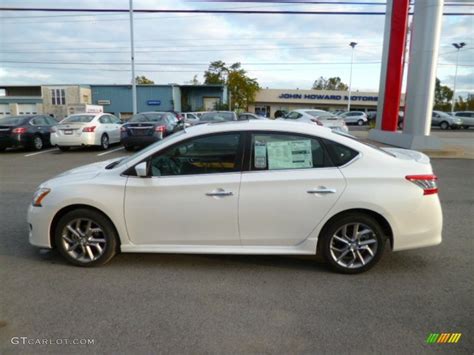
(355,117)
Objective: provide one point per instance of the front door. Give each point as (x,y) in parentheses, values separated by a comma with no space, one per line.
(192,195)
(291,187)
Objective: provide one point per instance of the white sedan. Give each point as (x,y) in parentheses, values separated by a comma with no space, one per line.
(320,117)
(244,187)
(86,129)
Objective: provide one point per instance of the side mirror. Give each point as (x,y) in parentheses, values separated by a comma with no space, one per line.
(141,169)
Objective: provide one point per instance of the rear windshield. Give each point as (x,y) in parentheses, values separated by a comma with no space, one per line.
(12,120)
(78,119)
(217,117)
(147,117)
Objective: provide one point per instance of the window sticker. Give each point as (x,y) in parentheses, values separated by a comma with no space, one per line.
(260,155)
(290,154)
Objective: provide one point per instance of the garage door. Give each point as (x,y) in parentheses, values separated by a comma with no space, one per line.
(210,103)
(4,110)
(27,109)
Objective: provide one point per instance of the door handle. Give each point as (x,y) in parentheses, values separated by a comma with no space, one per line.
(321,190)
(219,193)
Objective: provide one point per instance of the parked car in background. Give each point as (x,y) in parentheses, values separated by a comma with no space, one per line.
(320,117)
(444,120)
(250,116)
(86,129)
(179,116)
(199,113)
(31,132)
(354,117)
(467,118)
(256,188)
(218,116)
(146,128)
(280,113)
(190,118)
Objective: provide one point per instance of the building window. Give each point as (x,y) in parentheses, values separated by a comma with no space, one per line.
(58,96)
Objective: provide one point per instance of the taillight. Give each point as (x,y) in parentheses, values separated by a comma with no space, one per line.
(88,129)
(53,129)
(19,130)
(426,182)
(161,129)
(318,122)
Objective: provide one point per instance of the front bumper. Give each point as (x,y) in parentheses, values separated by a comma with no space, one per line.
(39,222)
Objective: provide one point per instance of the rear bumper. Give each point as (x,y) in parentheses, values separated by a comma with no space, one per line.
(74,141)
(421,225)
(140,141)
(15,140)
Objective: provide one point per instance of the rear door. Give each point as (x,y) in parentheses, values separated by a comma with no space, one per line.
(115,126)
(291,186)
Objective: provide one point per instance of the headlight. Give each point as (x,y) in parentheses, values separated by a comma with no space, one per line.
(39,196)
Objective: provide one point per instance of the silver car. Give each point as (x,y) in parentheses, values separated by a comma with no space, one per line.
(444,120)
(467,118)
(354,117)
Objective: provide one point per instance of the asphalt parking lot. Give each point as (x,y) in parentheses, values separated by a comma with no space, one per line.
(145,303)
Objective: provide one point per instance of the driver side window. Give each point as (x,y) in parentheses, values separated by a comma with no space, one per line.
(213,154)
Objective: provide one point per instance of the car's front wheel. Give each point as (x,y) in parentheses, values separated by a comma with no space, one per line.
(86,237)
(444,125)
(360,122)
(352,243)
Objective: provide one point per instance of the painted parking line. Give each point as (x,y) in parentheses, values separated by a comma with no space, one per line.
(41,152)
(110,151)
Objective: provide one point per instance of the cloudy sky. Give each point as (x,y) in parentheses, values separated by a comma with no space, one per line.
(281,51)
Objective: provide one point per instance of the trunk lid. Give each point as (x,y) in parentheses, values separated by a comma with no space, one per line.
(406,154)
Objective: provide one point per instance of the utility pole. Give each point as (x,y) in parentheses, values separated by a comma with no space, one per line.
(134,85)
(352,44)
(458,46)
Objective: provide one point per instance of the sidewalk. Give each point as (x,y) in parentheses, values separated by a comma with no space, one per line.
(456,144)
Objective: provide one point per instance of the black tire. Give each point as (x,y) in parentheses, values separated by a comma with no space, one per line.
(37,144)
(109,235)
(465,127)
(327,235)
(2,149)
(444,125)
(104,142)
(63,148)
(360,122)
(129,148)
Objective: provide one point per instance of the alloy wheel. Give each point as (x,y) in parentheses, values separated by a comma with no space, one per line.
(84,240)
(105,142)
(353,245)
(38,143)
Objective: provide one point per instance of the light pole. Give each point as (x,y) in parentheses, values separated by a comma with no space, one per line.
(458,46)
(352,44)
(134,84)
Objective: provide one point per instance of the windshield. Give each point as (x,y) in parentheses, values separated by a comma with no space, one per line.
(125,161)
(147,117)
(443,114)
(217,117)
(12,120)
(78,119)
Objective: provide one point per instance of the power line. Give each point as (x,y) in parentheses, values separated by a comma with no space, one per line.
(202,11)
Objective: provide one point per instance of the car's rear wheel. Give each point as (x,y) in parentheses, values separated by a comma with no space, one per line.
(352,243)
(85,237)
(104,142)
(37,143)
(444,125)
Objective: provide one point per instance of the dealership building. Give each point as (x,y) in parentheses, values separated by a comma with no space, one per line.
(58,100)
(268,101)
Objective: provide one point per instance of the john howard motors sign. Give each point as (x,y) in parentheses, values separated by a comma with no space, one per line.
(323,97)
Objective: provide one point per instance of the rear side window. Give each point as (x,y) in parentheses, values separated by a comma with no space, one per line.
(275,151)
(340,154)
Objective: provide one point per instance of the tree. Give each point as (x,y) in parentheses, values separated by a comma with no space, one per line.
(464,105)
(143,80)
(334,83)
(442,97)
(193,81)
(242,88)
